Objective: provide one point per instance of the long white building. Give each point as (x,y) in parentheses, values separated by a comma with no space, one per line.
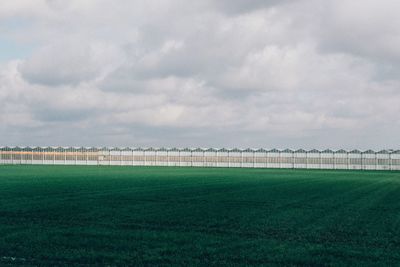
(200,157)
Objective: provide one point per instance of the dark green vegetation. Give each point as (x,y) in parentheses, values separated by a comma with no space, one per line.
(71,215)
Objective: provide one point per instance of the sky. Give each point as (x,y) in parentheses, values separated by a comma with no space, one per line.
(207,73)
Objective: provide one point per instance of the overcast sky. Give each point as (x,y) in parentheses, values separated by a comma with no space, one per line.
(228,73)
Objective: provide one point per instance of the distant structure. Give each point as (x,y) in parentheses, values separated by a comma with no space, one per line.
(200,157)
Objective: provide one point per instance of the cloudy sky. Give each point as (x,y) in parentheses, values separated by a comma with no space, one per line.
(227,73)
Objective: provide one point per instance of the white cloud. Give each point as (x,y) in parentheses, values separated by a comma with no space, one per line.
(9,9)
(209,73)
(69,62)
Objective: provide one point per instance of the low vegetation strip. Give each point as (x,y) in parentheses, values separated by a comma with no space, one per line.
(94,215)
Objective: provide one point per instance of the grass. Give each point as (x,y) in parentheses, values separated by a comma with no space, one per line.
(79,215)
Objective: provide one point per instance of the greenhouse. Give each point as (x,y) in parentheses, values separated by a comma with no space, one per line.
(204,157)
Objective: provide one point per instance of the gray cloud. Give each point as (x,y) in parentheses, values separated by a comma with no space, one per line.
(243,6)
(371,33)
(68,62)
(209,73)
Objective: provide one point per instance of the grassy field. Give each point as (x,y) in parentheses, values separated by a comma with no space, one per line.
(71,215)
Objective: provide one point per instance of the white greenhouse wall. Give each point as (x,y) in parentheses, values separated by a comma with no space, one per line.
(234,158)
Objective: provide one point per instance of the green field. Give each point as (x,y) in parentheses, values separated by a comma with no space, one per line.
(78,215)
